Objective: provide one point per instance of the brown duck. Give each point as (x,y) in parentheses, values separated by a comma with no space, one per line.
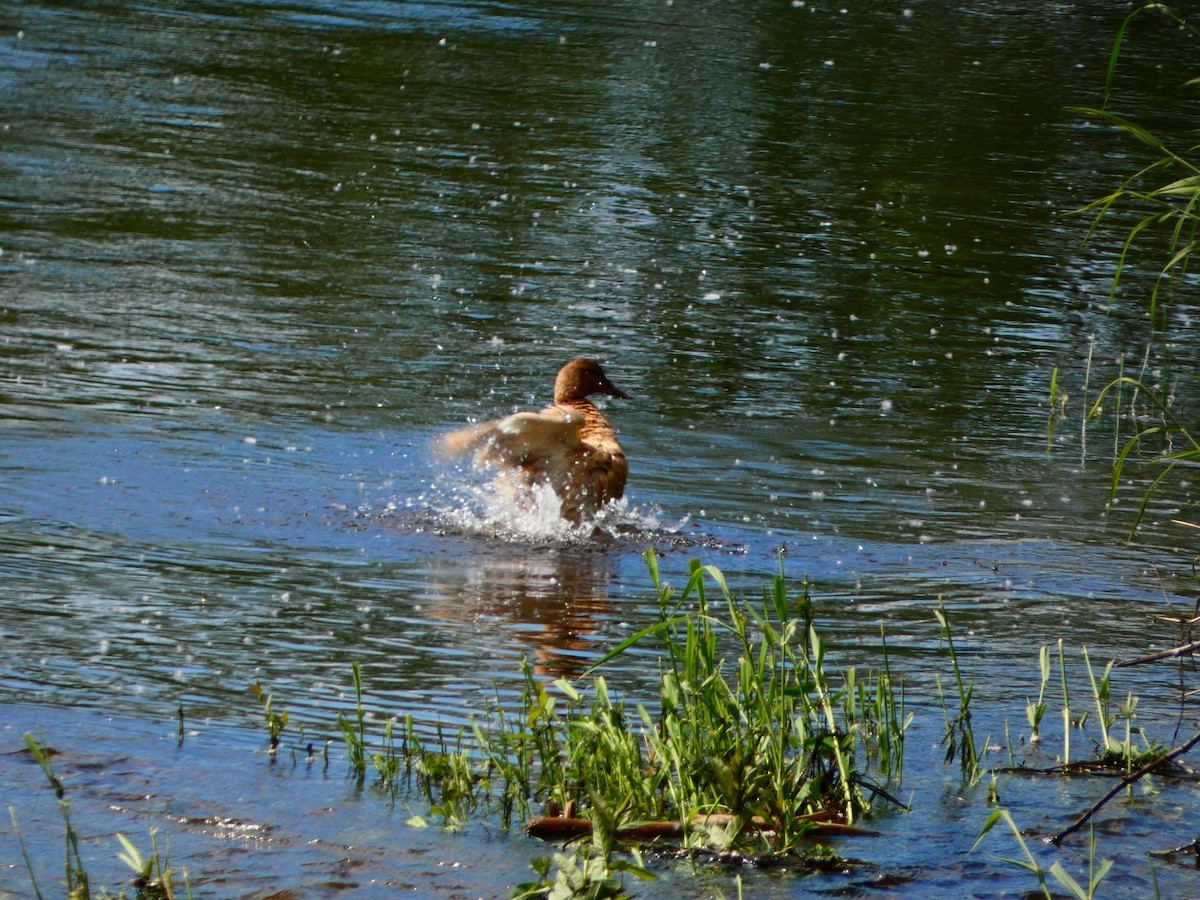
(569,445)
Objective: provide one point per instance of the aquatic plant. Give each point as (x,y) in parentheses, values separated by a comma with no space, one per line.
(1058,407)
(449,779)
(960,735)
(585,874)
(390,761)
(1112,753)
(1035,712)
(1066,705)
(1175,204)
(591,872)
(276,721)
(1168,430)
(751,754)
(154,878)
(753,747)
(1056,870)
(1116,756)
(353,733)
(1169,205)
(76,875)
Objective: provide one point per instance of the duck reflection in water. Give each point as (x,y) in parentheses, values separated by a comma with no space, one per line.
(552,602)
(569,446)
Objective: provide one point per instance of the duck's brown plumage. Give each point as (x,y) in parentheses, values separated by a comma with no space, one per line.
(569,445)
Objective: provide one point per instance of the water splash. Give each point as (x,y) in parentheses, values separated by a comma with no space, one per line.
(535,516)
(457,503)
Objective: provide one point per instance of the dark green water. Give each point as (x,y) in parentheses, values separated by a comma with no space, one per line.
(255,255)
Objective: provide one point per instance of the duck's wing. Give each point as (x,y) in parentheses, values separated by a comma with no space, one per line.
(522,439)
(464,440)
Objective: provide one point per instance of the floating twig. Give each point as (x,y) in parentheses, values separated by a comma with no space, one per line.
(552,828)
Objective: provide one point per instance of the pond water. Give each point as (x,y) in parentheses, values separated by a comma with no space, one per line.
(256,255)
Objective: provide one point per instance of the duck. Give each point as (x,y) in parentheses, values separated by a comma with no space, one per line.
(570,446)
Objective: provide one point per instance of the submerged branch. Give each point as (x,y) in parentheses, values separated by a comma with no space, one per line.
(1125,782)
(1182,650)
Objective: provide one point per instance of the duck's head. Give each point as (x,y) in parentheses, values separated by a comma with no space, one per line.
(580,378)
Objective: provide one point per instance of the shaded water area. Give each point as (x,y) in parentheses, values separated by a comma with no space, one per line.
(256,255)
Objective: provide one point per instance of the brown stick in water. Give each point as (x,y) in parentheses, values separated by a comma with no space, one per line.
(566,827)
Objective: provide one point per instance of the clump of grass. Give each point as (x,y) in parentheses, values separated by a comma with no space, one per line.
(1118,753)
(1115,755)
(766,736)
(450,779)
(886,705)
(751,746)
(153,879)
(389,761)
(1113,752)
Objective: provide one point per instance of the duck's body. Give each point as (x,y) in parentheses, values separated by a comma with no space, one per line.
(569,446)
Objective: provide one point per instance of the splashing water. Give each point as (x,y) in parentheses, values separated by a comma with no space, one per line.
(535,516)
(456,502)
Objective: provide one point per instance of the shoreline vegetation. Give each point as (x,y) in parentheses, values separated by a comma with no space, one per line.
(1147,399)
(757,750)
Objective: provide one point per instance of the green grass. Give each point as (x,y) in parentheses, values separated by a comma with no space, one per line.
(752,741)
(1066,882)
(960,734)
(354,731)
